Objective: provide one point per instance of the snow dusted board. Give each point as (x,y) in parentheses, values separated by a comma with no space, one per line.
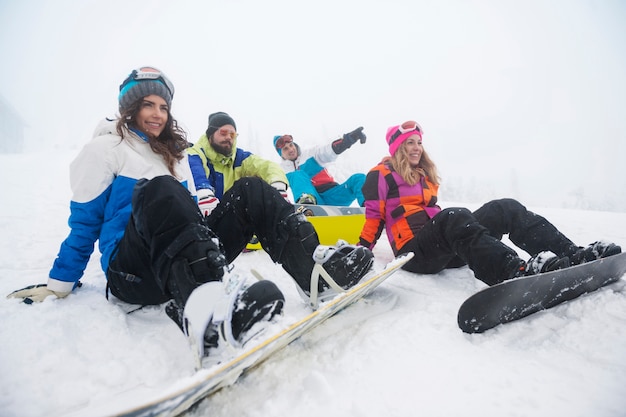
(184,394)
(517,298)
(314,210)
(331,223)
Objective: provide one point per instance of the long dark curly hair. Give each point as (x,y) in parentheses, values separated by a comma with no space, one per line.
(170,144)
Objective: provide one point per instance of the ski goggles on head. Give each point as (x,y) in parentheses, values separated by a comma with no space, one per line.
(225,132)
(148,73)
(283,140)
(409,126)
(406,127)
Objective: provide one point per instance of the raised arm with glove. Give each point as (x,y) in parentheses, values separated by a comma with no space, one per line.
(349,139)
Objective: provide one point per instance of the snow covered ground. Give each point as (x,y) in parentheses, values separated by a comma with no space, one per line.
(399,353)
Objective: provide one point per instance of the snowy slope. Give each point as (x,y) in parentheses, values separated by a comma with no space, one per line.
(399,353)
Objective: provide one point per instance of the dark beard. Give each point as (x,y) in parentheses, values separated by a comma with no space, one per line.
(223,150)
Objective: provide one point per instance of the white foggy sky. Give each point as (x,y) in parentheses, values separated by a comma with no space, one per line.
(517,98)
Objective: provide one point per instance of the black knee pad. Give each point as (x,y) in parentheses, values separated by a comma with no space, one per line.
(205,261)
(193,258)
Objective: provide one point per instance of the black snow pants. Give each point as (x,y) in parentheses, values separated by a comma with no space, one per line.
(166,222)
(457,237)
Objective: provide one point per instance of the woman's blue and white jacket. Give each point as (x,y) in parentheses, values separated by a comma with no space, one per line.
(102,178)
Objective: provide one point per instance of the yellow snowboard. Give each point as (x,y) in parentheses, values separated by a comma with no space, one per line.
(331,223)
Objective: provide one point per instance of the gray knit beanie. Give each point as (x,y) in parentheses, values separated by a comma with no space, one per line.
(135,88)
(217,120)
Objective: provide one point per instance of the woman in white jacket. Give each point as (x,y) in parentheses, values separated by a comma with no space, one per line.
(133,192)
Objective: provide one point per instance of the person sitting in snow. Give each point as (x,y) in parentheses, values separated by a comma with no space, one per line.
(216,163)
(310,181)
(134,193)
(401,197)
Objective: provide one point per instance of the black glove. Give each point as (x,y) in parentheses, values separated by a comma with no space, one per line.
(348,140)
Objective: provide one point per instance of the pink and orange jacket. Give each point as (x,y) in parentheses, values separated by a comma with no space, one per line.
(400,208)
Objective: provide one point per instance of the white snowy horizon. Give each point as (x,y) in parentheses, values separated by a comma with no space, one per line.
(399,353)
(517,99)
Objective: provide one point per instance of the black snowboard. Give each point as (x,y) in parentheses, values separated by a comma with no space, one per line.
(517,298)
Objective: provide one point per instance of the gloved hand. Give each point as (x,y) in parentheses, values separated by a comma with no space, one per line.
(36,293)
(207,201)
(349,139)
(281,187)
(356,134)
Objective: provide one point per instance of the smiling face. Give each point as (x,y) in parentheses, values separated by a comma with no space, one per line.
(289,151)
(152,116)
(413,148)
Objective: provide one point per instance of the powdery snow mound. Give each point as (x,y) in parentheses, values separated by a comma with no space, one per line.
(397,353)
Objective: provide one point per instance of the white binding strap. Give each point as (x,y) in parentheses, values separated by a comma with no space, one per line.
(319,271)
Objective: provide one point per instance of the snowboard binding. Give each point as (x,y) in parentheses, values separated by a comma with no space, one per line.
(337,268)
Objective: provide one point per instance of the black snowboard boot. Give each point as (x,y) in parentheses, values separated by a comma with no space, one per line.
(345,263)
(219,314)
(337,268)
(176,313)
(545,261)
(594,251)
(259,302)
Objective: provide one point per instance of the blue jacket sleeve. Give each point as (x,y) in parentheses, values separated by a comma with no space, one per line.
(199,175)
(85,224)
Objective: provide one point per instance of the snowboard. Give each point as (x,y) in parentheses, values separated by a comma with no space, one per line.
(184,394)
(330,222)
(517,298)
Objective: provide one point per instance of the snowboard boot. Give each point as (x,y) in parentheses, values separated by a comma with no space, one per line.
(545,261)
(316,268)
(345,263)
(175,312)
(337,268)
(261,301)
(197,263)
(516,268)
(306,199)
(595,251)
(219,314)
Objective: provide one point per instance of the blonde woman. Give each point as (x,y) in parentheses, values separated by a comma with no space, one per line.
(401,197)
